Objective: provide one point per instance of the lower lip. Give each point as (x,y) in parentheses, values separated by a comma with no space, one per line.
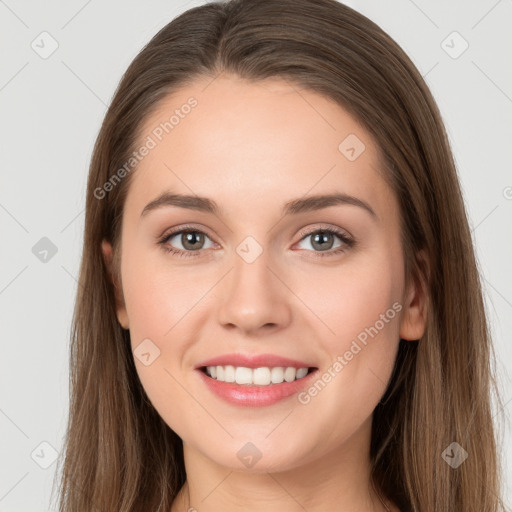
(255,396)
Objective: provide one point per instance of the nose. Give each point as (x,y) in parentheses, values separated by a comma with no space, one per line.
(254,296)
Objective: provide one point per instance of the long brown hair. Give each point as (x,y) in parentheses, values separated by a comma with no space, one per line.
(119,453)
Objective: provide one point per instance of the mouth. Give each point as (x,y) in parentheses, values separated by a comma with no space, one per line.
(256,377)
(242,386)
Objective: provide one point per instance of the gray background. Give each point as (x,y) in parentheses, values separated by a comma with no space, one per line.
(51,110)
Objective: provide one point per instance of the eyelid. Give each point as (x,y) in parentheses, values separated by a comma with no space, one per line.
(322,226)
(185,227)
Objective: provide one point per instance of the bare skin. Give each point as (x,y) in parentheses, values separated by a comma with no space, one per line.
(251,148)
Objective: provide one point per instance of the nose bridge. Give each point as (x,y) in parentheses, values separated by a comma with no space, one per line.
(252,275)
(253,296)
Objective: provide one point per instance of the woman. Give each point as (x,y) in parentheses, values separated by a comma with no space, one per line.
(279,305)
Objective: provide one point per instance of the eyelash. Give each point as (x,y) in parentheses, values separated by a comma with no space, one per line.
(349,242)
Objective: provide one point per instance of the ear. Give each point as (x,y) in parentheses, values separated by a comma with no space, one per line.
(122,315)
(414,317)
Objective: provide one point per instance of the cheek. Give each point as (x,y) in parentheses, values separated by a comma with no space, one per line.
(362,299)
(361,307)
(157,295)
(160,302)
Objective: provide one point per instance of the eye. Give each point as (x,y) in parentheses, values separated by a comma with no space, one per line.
(322,241)
(190,239)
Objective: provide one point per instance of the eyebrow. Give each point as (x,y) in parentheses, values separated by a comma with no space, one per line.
(294,207)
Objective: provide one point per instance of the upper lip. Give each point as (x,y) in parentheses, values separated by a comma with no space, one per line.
(253,361)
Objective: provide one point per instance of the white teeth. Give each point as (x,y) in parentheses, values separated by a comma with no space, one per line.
(229,373)
(244,375)
(263,376)
(277,375)
(302,372)
(289,374)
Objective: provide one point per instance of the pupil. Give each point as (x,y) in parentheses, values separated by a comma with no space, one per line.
(323,240)
(192,237)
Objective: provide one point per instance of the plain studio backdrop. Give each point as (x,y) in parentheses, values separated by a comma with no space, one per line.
(61,62)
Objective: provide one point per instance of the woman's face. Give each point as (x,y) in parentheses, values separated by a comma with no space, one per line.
(258,276)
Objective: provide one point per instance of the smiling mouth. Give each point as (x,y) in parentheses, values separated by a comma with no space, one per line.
(263,376)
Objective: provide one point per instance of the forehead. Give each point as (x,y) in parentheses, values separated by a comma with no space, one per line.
(254,143)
